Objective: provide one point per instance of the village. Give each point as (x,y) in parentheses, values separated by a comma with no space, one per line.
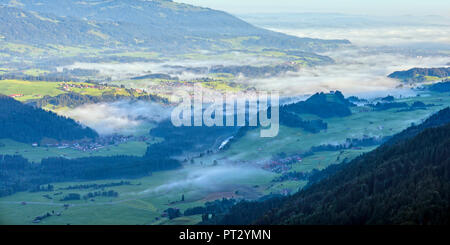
(90,146)
(282,164)
(69,86)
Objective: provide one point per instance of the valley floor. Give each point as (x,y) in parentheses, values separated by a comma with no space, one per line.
(237,173)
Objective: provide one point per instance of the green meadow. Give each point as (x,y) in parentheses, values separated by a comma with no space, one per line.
(36,154)
(145,200)
(29,89)
(141,203)
(38,89)
(362,122)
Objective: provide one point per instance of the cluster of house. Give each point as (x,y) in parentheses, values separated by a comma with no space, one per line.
(81,146)
(15,95)
(68,86)
(94,146)
(97,144)
(166,87)
(282,165)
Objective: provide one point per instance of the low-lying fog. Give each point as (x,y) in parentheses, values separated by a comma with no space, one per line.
(357,71)
(209,179)
(361,69)
(123,71)
(391,36)
(380,46)
(122,117)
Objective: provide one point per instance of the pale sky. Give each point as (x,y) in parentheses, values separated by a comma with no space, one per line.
(365,7)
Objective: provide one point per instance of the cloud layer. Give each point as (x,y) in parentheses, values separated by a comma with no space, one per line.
(209,179)
(121,71)
(378,36)
(356,71)
(363,67)
(123,117)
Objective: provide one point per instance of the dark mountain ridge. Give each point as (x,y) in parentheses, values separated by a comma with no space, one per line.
(28,124)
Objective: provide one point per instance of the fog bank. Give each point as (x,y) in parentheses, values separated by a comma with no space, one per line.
(122,117)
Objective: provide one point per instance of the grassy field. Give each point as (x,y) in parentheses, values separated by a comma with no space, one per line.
(29,89)
(360,123)
(38,89)
(36,154)
(143,202)
(223,86)
(35,72)
(21,48)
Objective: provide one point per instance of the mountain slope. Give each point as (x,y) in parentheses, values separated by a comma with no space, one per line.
(152,24)
(323,105)
(32,28)
(27,124)
(421,74)
(407,182)
(436,120)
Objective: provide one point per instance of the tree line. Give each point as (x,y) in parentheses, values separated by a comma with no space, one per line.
(18,174)
(28,124)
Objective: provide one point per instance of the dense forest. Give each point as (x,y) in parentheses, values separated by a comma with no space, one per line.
(323,105)
(185,138)
(388,105)
(441,87)
(28,124)
(292,120)
(404,181)
(18,174)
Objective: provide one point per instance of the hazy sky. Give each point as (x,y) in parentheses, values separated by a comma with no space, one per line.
(369,7)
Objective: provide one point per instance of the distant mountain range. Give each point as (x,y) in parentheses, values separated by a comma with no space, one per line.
(339,20)
(158,24)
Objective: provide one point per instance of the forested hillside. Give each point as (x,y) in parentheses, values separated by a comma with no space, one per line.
(406,181)
(157,24)
(323,105)
(41,29)
(441,87)
(421,74)
(28,124)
